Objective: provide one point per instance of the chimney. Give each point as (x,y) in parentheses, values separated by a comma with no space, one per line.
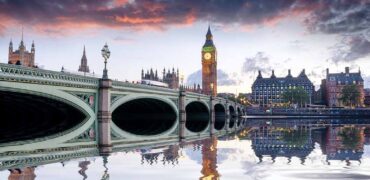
(327,71)
(347,70)
(259,74)
(273,74)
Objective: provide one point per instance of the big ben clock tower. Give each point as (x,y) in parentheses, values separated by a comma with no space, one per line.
(209,66)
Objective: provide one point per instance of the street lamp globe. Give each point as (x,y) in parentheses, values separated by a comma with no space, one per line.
(106,54)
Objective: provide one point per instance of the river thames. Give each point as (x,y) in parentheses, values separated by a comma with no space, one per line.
(265,149)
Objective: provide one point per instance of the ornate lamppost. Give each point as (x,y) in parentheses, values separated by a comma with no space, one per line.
(106,54)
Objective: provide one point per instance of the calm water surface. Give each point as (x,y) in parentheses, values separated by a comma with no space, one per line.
(265,149)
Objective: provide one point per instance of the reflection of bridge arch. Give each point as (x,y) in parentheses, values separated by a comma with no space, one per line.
(61,104)
(220,117)
(144,115)
(232,116)
(238,122)
(197,116)
(232,111)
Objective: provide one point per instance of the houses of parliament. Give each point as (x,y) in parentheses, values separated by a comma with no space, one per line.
(171,78)
(21,56)
(209,71)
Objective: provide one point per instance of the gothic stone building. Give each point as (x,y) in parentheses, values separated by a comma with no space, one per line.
(22,56)
(334,83)
(268,91)
(170,78)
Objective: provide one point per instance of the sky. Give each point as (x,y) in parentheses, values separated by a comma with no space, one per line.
(249,35)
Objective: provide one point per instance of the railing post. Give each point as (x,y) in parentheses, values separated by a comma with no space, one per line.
(104,116)
(182,113)
(212,115)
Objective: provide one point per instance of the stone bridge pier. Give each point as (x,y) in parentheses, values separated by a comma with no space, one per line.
(104,116)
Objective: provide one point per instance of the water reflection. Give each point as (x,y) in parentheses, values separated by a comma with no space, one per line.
(105,174)
(170,155)
(344,143)
(293,138)
(209,159)
(27,173)
(275,149)
(83,165)
(286,142)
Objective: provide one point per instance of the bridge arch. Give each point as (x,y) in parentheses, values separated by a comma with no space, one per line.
(197,116)
(144,115)
(220,117)
(49,108)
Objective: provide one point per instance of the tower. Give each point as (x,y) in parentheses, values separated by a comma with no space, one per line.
(209,65)
(32,58)
(83,67)
(10,49)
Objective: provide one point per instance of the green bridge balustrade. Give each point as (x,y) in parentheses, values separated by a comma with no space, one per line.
(115,114)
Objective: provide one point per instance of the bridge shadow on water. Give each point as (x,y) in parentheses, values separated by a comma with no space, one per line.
(144,116)
(26,116)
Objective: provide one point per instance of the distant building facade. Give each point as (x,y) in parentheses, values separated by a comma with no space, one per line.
(21,56)
(334,83)
(317,97)
(83,66)
(267,91)
(367,97)
(172,79)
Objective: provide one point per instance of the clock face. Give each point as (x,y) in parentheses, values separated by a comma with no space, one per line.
(207,56)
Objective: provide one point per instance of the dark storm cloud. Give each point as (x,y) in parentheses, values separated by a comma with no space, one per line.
(348,18)
(340,16)
(156,14)
(223,79)
(350,48)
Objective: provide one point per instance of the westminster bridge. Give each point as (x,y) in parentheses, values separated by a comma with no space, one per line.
(49,109)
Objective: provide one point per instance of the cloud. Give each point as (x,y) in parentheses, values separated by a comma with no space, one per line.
(259,62)
(146,14)
(340,16)
(123,40)
(223,79)
(350,48)
(2,30)
(347,18)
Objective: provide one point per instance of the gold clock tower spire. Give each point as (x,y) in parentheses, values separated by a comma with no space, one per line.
(209,65)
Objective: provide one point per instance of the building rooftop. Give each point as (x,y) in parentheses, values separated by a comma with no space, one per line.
(345,77)
(289,79)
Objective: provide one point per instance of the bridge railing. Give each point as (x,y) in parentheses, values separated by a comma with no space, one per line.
(14,72)
(120,84)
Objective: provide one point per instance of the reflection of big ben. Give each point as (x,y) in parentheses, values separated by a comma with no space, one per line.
(209,66)
(209,160)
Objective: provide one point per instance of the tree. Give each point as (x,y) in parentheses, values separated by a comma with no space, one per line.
(296,96)
(351,137)
(350,95)
(297,137)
